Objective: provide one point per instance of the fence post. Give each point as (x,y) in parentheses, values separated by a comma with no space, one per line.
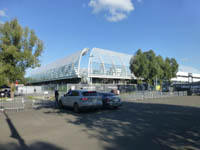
(1,106)
(23,102)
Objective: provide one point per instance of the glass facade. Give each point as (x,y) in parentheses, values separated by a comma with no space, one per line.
(109,64)
(67,67)
(100,63)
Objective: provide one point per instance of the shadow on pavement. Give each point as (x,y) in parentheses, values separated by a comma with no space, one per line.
(35,146)
(21,143)
(142,126)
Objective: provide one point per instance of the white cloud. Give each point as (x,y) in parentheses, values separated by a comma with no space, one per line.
(2,13)
(117,10)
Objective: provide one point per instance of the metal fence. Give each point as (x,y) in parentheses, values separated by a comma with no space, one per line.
(151,95)
(21,103)
(9,104)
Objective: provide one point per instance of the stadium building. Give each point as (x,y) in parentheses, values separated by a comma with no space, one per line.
(86,67)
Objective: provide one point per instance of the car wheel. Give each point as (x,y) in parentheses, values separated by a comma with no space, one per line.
(76,108)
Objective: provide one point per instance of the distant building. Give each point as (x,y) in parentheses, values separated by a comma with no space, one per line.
(187,75)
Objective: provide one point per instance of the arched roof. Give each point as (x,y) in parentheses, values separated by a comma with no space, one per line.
(105,63)
(101,64)
(67,67)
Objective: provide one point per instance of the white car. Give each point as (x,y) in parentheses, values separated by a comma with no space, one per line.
(80,99)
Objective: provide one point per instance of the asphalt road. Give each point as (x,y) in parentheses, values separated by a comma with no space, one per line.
(161,124)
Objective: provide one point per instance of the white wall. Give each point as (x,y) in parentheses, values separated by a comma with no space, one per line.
(28,89)
(184,77)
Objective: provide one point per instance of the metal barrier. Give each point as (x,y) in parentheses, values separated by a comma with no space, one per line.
(15,104)
(18,104)
(150,95)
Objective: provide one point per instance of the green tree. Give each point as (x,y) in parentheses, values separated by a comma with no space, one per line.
(170,68)
(139,65)
(3,79)
(20,49)
(148,66)
(153,65)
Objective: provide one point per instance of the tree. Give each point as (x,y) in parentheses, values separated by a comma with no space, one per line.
(2,75)
(139,65)
(148,66)
(170,68)
(153,65)
(20,49)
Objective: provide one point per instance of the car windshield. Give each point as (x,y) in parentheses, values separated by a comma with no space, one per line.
(89,93)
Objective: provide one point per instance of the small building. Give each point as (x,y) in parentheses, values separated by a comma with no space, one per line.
(187,75)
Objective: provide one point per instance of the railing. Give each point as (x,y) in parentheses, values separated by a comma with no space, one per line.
(9,104)
(150,95)
(19,103)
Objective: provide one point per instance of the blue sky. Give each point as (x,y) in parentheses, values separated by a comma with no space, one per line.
(169,27)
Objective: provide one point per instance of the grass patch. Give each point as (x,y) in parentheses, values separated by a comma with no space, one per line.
(3,98)
(51,98)
(30,97)
(41,98)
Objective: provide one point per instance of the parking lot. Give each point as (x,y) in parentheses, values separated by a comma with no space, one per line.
(167,124)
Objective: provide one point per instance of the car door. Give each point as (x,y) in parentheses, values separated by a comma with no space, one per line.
(73,98)
(66,99)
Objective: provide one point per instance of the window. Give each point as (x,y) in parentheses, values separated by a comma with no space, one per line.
(74,93)
(90,93)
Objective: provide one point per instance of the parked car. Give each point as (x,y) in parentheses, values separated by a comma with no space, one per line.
(80,99)
(110,100)
(2,94)
(5,93)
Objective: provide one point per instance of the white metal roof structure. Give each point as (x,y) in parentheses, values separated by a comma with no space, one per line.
(109,64)
(67,67)
(101,64)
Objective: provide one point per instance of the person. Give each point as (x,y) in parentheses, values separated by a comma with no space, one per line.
(69,91)
(56,97)
(34,90)
(113,91)
(118,92)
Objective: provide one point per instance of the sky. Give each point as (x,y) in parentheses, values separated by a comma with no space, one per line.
(170,27)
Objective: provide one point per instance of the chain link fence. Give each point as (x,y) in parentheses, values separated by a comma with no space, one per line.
(150,95)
